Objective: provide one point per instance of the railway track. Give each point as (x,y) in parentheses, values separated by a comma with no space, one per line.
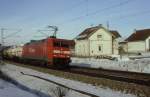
(134,83)
(129,77)
(122,76)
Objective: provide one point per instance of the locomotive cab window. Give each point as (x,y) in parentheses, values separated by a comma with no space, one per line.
(60,44)
(64,45)
(56,44)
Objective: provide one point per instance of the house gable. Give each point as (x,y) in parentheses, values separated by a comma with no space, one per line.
(101,34)
(87,33)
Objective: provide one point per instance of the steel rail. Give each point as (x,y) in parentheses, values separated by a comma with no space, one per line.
(48,80)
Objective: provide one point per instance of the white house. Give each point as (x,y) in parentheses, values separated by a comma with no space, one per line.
(96,41)
(139,41)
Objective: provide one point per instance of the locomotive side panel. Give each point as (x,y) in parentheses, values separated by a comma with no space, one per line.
(49,52)
(36,51)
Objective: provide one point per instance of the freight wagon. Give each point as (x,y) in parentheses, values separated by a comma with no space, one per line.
(13,53)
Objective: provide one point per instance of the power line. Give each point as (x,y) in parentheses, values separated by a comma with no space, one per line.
(128,16)
(111,7)
(77,5)
(134,14)
(98,11)
(41,31)
(10,35)
(73,7)
(2,36)
(87,7)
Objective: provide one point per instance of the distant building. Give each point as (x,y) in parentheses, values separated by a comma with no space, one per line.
(96,41)
(139,41)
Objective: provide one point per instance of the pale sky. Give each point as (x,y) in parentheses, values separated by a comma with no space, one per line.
(71,17)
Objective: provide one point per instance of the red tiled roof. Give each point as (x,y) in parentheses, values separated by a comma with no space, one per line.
(87,32)
(139,35)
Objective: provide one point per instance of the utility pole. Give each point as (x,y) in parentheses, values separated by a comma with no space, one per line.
(87,7)
(10,35)
(108,25)
(2,36)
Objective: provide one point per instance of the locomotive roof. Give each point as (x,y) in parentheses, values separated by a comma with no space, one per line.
(35,41)
(42,40)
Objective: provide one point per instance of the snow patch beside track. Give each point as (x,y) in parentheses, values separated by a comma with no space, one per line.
(46,87)
(139,65)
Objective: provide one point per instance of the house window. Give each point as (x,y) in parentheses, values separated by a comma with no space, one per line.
(100,48)
(99,36)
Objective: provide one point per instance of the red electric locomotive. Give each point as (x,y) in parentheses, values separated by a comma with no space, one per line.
(52,52)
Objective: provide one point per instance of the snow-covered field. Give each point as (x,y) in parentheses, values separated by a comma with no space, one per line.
(9,90)
(138,65)
(50,88)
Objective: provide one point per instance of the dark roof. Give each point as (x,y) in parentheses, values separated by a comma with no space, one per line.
(89,31)
(115,33)
(139,35)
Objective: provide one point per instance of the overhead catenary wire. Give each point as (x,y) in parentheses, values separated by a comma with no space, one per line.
(127,16)
(132,14)
(10,35)
(97,11)
(87,7)
(77,5)
(13,34)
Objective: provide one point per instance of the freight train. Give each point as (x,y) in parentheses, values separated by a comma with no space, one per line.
(52,52)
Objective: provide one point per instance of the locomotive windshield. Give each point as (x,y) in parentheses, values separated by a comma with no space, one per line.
(61,44)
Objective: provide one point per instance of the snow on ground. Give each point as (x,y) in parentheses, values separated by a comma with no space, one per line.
(46,87)
(9,90)
(138,65)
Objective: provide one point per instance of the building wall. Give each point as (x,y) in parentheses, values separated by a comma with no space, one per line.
(147,44)
(99,43)
(138,46)
(116,47)
(104,43)
(81,48)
